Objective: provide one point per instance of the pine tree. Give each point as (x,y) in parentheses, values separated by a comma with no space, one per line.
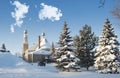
(3,47)
(52,49)
(107,52)
(76,41)
(66,58)
(76,44)
(85,48)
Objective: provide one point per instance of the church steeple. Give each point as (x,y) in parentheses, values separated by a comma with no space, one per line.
(25,42)
(39,42)
(25,39)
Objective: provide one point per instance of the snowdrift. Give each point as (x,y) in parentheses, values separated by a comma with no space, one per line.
(9,60)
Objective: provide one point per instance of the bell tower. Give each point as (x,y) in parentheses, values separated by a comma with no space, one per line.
(39,42)
(25,43)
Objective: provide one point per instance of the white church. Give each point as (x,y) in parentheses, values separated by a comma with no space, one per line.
(38,52)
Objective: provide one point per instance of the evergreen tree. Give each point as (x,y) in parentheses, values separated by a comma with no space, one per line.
(52,49)
(66,58)
(85,48)
(76,41)
(76,44)
(3,47)
(107,52)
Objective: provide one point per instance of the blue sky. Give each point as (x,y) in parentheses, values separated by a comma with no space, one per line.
(77,13)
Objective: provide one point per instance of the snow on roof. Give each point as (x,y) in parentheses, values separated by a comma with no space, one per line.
(44,43)
(43,52)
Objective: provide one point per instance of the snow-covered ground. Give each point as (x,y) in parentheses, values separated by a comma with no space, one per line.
(13,67)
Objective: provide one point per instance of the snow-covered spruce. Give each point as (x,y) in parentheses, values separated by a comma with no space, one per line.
(65,56)
(107,51)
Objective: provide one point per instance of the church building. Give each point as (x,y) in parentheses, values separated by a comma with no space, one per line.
(38,52)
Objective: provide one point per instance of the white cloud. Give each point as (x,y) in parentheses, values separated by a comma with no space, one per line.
(19,13)
(49,12)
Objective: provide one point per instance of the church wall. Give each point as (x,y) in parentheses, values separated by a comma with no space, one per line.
(30,58)
(38,57)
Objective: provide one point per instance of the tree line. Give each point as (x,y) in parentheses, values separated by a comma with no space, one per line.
(86,50)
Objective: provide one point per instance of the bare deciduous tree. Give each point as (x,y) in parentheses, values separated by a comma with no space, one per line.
(101,3)
(116,10)
(116,7)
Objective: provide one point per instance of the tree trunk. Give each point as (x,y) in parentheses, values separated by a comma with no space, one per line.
(87,68)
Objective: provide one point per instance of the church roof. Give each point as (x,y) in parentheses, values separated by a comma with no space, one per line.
(44,43)
(44,46)
(43,52)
